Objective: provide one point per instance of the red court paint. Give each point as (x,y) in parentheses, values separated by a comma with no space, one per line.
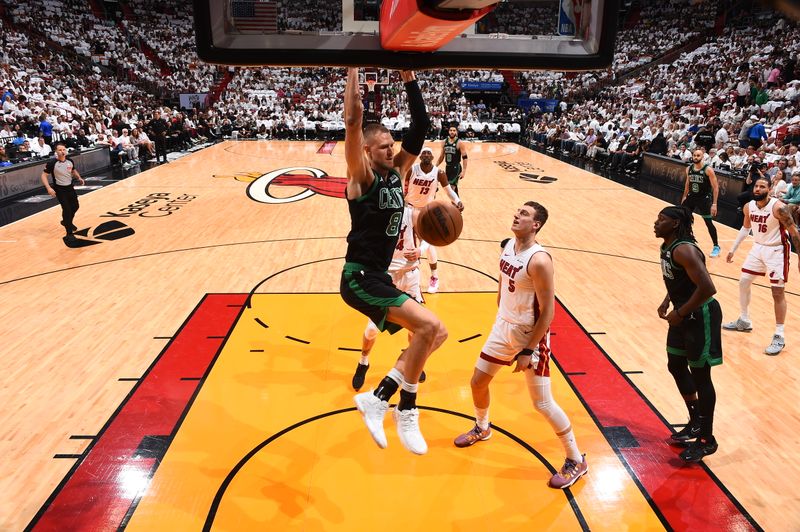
(91,496)
(98,491)
(327,147)
(689,497)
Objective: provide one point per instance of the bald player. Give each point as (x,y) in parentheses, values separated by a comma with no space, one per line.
(422,182)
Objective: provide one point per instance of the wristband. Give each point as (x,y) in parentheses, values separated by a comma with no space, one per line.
(526,352)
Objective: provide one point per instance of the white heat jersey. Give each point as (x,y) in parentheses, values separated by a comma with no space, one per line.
(405,241)
(518,296)
(422,186)
(767,230)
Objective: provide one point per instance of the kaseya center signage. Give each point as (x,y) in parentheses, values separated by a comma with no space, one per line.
(154,205)
(527,172)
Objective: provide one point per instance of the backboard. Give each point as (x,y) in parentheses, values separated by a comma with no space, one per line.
(569,35)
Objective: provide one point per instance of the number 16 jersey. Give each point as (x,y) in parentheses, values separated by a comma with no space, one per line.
(767,230)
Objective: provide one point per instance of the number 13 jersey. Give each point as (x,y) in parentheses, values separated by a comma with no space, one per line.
(422,186)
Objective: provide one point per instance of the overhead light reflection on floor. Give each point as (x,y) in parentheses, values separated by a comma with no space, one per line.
(133,480)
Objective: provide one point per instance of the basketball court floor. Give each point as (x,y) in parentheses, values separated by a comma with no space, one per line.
(188,366)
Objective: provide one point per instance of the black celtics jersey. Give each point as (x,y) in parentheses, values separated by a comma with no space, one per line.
(452,159)
(375,223)
(679,286)
(699,185)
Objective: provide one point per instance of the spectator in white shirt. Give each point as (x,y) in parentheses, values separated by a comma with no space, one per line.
(721,138)
(779,185)
(40,148)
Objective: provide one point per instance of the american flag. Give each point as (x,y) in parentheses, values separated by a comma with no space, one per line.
(258,17)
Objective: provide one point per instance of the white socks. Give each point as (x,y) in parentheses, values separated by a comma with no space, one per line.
(396,376)
(433,258)
(744,294)
(410,388)
(482,418)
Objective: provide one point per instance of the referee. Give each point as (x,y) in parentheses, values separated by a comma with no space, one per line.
(63,171)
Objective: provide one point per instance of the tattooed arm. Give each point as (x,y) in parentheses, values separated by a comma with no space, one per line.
(784,215)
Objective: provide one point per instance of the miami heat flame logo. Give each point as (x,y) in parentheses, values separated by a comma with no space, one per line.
(313,180)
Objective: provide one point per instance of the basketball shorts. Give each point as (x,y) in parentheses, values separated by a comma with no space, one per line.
(371,293)
(699,204)
(504,344)
(772,261)
(698,337)
(452,174)
(408,282)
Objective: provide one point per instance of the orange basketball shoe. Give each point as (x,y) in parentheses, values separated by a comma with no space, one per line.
(473,436)
(570,472)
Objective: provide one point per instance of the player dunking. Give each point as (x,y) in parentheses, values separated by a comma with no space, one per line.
(404,270)
(700,194)
(694,342)
(521,332)
(770,220)
(422,181)
(375,200)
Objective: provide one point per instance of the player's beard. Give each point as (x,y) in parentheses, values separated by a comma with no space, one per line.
(760,197)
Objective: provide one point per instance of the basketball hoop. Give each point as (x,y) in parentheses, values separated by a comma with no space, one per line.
(371,85)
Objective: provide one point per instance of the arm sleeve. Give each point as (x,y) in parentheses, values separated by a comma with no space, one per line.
(452,194)
(420,123)
(48,168)
(743,232)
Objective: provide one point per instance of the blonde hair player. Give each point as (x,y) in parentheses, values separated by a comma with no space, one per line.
(770,220)
(421,184)
(521,333)
(375,200)
(404,270)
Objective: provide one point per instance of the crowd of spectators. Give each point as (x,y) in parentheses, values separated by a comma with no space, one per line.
(308,15)
(521,18)
(736,95)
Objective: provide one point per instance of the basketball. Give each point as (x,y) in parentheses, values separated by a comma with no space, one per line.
(439,223)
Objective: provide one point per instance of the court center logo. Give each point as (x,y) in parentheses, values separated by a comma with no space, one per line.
(310,180)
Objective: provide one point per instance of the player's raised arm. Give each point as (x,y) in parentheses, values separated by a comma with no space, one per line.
(359,176)
(420,123)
